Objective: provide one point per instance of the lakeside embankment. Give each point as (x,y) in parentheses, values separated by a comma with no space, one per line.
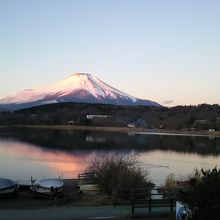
(123,130)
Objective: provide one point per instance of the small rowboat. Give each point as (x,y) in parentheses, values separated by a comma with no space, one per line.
(48,188)
(7,188)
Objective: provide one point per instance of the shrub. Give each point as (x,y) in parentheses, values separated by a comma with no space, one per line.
(117,173)
(170,181)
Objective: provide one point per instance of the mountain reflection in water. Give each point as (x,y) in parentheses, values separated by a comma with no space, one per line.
(87,140)
(38,152)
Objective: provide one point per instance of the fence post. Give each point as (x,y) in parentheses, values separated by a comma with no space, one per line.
(150,202)
(171,204)
(132,206)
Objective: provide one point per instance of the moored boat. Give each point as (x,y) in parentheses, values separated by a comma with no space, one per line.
(48,188)
(8,188)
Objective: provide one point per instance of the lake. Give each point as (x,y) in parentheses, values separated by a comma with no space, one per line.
(52,153)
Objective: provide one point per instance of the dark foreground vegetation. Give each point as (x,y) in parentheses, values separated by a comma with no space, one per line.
(201,117)
(203,194)
(200,192)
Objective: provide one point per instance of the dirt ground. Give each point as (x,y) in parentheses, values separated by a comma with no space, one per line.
(72,197)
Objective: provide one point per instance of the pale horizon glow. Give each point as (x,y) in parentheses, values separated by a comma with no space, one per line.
(164,51)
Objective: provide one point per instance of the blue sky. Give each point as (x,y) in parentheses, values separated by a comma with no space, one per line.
(163,50)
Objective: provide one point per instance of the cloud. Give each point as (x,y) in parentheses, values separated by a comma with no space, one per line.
(167,102)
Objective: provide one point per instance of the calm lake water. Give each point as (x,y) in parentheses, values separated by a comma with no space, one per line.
(52,153)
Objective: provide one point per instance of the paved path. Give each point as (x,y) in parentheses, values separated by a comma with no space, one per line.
(70,213)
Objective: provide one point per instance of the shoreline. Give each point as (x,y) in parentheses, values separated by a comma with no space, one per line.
(122,130)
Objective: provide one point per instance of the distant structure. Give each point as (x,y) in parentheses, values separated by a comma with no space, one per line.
(70,122)
(131,125)
(201,122)
(97,116)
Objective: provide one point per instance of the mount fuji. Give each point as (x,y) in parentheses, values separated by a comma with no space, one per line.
(79,87)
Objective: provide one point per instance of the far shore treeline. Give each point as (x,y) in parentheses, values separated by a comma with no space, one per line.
(201,117)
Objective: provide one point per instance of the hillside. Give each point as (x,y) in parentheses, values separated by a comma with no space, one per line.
(201,117)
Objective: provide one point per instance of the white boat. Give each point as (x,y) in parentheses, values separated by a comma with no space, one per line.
(48,188)
(7,187)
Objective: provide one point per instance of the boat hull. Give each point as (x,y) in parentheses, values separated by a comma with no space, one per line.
(48,188)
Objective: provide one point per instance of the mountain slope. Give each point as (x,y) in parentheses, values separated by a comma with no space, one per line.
(79,87)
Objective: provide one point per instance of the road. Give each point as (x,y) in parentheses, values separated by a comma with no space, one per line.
(72,213)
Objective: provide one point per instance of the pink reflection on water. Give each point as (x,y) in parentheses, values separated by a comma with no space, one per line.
(26,156)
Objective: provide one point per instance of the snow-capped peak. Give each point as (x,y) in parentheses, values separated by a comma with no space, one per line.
(78,87)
